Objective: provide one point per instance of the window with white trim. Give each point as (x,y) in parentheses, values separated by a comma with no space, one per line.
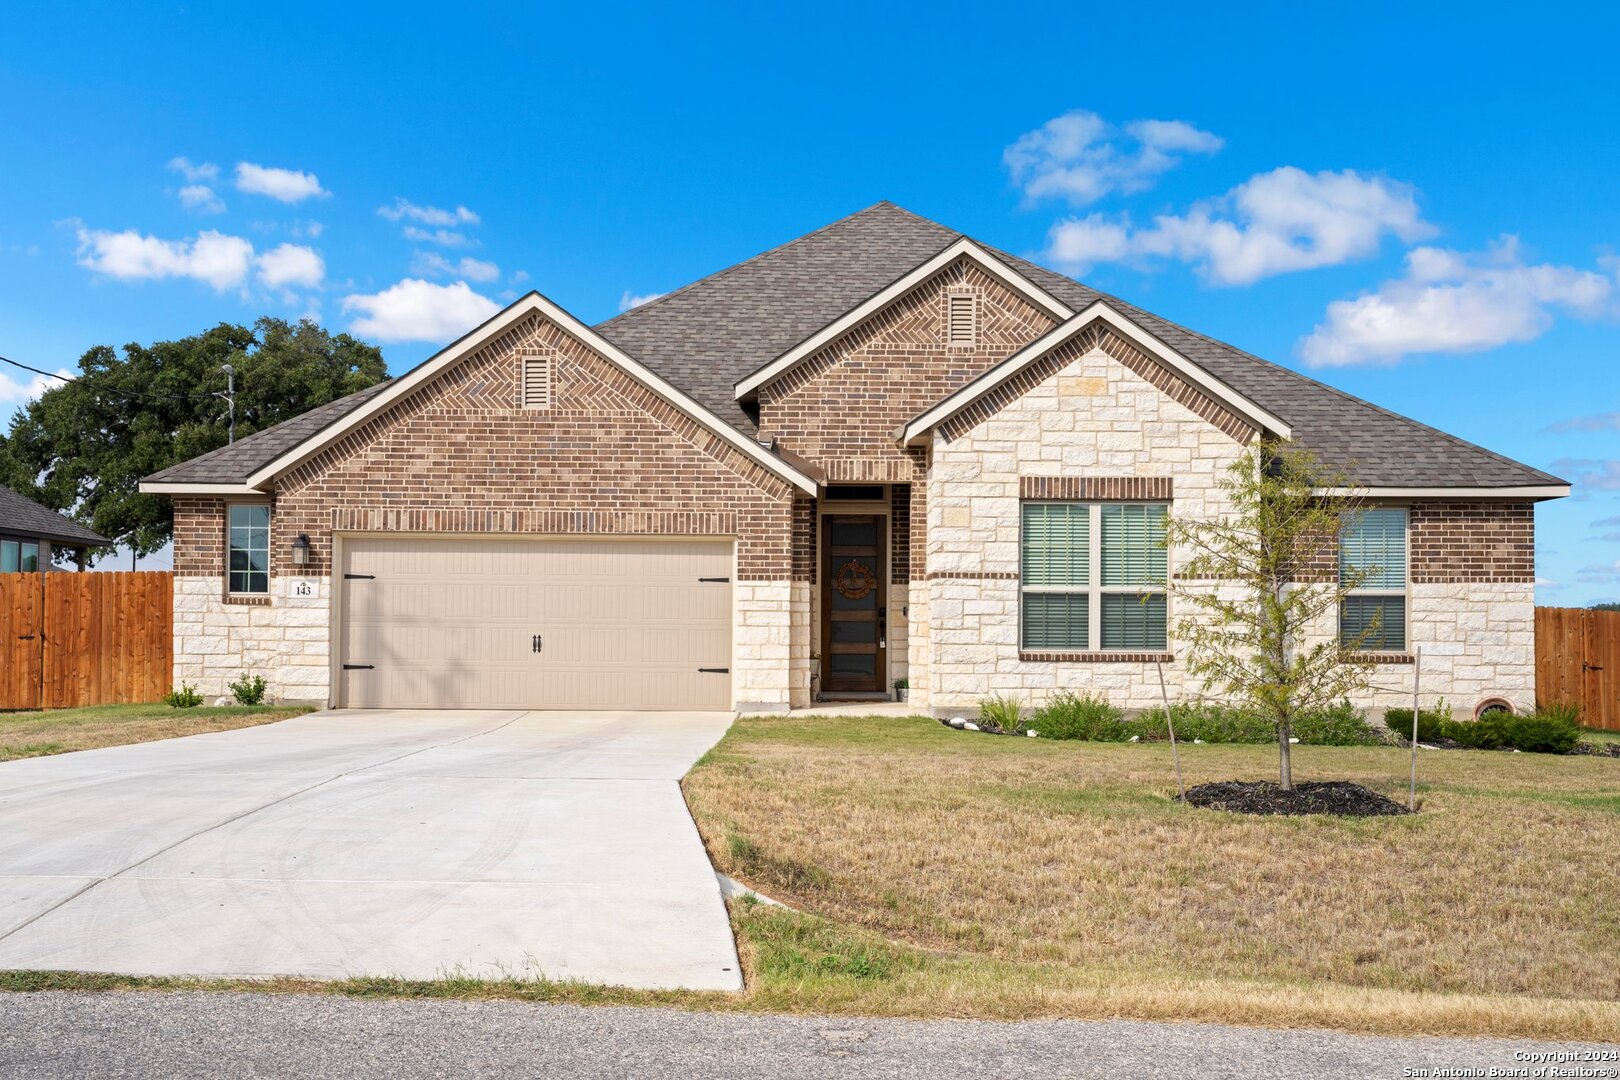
(247,559)
(1092,577)
(1372,553)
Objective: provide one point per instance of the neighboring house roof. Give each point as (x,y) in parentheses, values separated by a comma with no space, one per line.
(23,516)
(707,337)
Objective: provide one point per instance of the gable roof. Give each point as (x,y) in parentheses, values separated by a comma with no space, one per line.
(1098,311)
(23,516)
(707,337)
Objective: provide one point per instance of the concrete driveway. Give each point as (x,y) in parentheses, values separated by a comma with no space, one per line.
(413,844)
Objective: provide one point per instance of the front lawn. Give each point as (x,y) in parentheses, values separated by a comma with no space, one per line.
(57,731)
(1494,909)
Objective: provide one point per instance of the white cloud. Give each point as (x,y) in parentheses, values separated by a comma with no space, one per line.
(442,237)
(289,265)
(1590,473)
(633,300)
(432,264)
(15,392)
(1273,223)
(201,198)
(221,261)
(1599,574)
(1080,157)
(1599,422)
(283,185)
(417,310)
(519,277)
(311,229)
(1455,302)
(194,172)
(404,209)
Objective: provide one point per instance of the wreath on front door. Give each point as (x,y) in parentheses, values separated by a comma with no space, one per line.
(854,580)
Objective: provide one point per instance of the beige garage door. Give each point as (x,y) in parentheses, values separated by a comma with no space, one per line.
(535,624)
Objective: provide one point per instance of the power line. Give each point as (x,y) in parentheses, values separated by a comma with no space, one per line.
(130,394)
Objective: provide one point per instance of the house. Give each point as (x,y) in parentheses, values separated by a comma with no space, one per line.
(29,531)
(880,451)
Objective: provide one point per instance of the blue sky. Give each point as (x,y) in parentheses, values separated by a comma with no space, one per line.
(1418,208)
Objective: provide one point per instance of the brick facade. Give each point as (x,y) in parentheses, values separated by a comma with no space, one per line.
(1097,419)
(608,457)
(840,407)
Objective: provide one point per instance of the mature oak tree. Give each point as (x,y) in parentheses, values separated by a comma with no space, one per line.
(83,447)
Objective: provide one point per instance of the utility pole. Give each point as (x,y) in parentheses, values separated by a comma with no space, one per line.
(229,395)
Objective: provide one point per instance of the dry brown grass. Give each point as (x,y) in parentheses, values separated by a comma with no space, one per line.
(58,731)
(1070,861)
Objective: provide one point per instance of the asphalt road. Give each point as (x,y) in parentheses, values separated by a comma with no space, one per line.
(147,1034)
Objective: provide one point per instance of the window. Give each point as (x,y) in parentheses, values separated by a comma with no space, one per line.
(19,556)
(248,562)
(1092,577)
(536,381)
(961,319)
(1373,615)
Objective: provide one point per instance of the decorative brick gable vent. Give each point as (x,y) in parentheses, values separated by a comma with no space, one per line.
(961,319)
(536,381)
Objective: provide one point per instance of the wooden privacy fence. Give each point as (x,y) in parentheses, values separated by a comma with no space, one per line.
(85,639)
(1578,662)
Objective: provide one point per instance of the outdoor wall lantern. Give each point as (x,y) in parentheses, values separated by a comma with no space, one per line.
(300,553)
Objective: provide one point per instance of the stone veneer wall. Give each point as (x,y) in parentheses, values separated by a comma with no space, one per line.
(287,640)
(1089,416)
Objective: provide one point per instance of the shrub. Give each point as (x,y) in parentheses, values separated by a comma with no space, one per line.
(1431,722)
(1082,716)
(1566,712)
(1539,733)
(1336,725)
(1546,731)
(1209,723)
(184,696)
(1001,713)
(249,690)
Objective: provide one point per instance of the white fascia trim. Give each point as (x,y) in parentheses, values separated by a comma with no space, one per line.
(1127,329)
(1534,491)
(533,303)
(178,488)
(857,315)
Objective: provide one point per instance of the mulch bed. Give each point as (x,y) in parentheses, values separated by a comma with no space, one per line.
(1316,797)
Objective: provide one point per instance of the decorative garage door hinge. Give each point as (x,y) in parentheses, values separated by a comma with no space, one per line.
(358,667)
(717,579)
(716,670)
(359,577)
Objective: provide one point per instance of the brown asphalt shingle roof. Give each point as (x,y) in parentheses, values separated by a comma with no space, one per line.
(20,515)
(707,336)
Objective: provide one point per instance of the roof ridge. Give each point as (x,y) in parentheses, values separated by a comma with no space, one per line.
(718,274)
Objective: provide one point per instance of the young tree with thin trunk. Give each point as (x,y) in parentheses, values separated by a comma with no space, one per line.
(1256,582)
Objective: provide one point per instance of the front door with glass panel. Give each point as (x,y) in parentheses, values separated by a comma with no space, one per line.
(853,605)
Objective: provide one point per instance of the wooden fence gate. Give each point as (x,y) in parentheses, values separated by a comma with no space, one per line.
(1578,662)
(85,639)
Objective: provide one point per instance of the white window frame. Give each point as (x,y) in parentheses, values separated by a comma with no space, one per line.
(1404,592)
(1094,589)
(269,532)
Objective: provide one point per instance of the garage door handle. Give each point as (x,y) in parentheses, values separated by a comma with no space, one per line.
(359,667)
(715,670)
(715,579)
(537,643)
